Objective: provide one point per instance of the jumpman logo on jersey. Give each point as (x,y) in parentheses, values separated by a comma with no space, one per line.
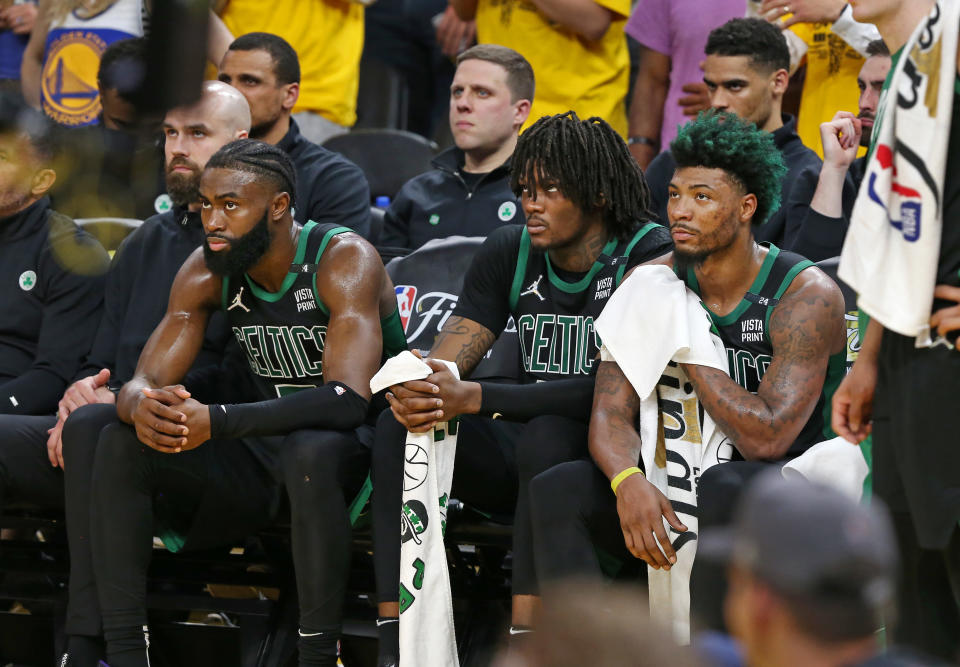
(534,288)
(238,303)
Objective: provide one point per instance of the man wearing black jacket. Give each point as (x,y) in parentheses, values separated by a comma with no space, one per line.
(51,272)
(820,233)
(746,72)
(468,194)
(137,286)
(330,188)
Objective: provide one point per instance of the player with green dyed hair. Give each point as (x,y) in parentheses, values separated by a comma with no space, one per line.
(748,155)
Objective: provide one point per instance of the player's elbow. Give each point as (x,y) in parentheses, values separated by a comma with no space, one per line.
(763,447)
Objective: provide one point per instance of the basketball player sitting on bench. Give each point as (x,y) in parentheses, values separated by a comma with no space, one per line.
(585,201)
(312,307)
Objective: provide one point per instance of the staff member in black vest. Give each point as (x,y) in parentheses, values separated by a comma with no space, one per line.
(587,224)
(312,308)
(468,193)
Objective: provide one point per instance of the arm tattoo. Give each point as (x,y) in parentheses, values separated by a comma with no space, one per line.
(476,341)
(804,329)
(614,440)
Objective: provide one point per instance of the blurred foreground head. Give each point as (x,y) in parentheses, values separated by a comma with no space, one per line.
(28,148)
(582,625)
(812,573)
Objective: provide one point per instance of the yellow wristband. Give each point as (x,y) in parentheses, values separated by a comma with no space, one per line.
(622,475)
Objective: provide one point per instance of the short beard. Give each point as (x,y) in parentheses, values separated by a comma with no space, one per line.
(686,262)
(260,130)
(244,252)
(184,189)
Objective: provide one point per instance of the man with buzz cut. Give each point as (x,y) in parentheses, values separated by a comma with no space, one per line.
(468,193)
(266,69)
(587,225)
(313,309)
(781,321)
(746,73)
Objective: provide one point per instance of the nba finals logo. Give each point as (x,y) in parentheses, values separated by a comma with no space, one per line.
(69,78)
(406,297)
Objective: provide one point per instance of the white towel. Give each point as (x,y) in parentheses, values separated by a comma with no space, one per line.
(891,252)
(835,463)
(427,634)
(651,321)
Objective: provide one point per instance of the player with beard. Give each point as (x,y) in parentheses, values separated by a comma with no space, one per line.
(587,224)
(781,321)
(312,308)
(137,288)
(265,68)
(821,232)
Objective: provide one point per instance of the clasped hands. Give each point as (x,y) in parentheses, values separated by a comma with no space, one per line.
(421,404)
(168,420)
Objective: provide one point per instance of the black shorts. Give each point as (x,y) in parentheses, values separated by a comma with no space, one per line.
(916,436)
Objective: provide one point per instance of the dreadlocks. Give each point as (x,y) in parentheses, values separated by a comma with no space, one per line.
(262,159)
(589,163)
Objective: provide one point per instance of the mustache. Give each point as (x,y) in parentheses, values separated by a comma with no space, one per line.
(677,225)
(866,115)
(182,162)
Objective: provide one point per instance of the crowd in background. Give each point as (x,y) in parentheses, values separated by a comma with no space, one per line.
(582,112)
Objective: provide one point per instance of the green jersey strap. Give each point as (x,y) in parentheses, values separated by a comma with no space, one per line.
(784,286)
(643,231)
(523,253)
(336,231)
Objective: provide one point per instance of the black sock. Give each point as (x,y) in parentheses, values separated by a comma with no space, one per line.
(84,651)
(389,629)
(128,646)
(319,649)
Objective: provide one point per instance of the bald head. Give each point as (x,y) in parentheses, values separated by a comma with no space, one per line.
(193,133)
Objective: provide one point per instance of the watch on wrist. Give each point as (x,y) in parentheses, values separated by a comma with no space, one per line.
(646,141)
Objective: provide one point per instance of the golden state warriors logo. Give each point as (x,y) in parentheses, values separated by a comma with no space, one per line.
(69,79)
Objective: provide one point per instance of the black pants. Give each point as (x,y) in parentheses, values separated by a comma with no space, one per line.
(574,513)
(25,471)
(210,496)
(494,464)
(80,435)
(916,471)
(718,491)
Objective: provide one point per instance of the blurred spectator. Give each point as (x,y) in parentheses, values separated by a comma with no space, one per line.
(746,73)
(327,35)
(419,39)
(821,232)
(812,575)
(114,168)
(16,21)
(51,271)
(577,49)
(330,188)
(60,65)
(669,87)
(138,286)
(823,34)
(581,625)
(468,194)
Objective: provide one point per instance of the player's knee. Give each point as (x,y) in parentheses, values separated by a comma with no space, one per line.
(548,441)
(82,430)
(314,457)
(555,494)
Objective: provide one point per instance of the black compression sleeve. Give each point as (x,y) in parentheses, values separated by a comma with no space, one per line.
(522,402)
(333,406)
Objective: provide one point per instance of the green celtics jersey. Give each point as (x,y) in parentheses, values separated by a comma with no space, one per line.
(745,333)
(283,332)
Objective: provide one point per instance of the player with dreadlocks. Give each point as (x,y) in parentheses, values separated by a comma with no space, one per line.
(311,307)
(585,202)
(781,321)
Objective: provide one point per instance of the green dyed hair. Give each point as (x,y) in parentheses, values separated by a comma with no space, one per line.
(748,155)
